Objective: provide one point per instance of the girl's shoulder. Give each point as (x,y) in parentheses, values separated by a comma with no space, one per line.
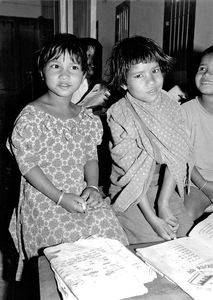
(28,112)
(117,108)
(166,96)
(120,114)
(27,123)
(190,104)
(169,104)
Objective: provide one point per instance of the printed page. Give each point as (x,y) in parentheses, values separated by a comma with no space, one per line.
(203,232)
(99,269)
(186,262)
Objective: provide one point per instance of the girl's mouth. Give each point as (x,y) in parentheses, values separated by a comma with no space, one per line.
(64,85)
(207,81)
(152,92)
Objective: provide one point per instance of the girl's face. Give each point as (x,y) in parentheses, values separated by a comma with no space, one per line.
(204,76)
(90,58)
(144,81)
(63,76)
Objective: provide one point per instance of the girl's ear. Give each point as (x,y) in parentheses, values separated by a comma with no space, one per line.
(42,76)
(85,75)
(124,87)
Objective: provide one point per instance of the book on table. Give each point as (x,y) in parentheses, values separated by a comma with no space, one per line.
(98,268)
(187,261)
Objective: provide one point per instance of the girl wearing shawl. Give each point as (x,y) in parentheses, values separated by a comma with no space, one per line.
(149,146)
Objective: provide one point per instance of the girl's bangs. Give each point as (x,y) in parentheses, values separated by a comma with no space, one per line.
(57,52)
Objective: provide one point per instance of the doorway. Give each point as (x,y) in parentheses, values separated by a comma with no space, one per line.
(178,37)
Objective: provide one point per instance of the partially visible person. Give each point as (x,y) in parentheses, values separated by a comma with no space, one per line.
(93,91)
(150,152)
(199,118)
(55,144)
(93,50)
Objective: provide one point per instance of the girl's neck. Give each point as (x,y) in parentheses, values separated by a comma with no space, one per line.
(59,107)
(207,102)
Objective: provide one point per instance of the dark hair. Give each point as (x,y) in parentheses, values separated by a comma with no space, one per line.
(209,50)
(91,42)
(60,44)
(96,59)
(130,51)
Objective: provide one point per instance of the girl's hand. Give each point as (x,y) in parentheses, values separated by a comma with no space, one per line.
(165,213)
(163,229)
(92,197)
(73,203)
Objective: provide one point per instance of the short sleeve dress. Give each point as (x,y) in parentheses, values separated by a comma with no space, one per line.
(61,149)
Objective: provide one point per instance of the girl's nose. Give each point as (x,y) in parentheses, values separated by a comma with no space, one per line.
(209,72)
(64,73)
(150,79)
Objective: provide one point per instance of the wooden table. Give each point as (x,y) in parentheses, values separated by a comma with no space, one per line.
(159,289)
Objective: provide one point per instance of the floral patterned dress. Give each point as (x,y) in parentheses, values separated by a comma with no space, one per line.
(61,149)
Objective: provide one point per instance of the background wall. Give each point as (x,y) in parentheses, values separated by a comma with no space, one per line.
(28,9)
(146,18)
(21,8)
(106,25)
(203,25)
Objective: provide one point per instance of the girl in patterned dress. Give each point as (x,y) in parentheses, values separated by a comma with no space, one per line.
(149,146)
(55,143)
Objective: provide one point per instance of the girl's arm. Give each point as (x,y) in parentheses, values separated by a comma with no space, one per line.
(204,185)
(91,193)
(166,192)
(39,181)
(159,225)
(195,206)
(91,172)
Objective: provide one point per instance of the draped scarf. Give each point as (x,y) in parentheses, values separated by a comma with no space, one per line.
(157,134)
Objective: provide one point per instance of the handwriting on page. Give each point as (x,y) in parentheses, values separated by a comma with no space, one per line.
(99,268)
(88,264)
(198,268)
(207,231)
(183,255)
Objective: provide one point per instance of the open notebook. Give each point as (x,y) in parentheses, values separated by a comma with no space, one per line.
(187,261)
(98,269)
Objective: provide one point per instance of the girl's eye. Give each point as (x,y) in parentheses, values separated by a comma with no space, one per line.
(75,67)
(201,69)
(54,66)
(156,70)
(139,76)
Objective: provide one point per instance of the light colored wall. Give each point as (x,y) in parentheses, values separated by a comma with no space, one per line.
(203,37)
(106,25)
(146,18)
(21,8)
(27,9)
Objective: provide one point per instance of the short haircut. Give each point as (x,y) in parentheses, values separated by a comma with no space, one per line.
(134,50)
(59,45)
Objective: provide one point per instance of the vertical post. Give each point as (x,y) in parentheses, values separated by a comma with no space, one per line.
(66,16)
(70,16)
(93,18)
(62,16)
